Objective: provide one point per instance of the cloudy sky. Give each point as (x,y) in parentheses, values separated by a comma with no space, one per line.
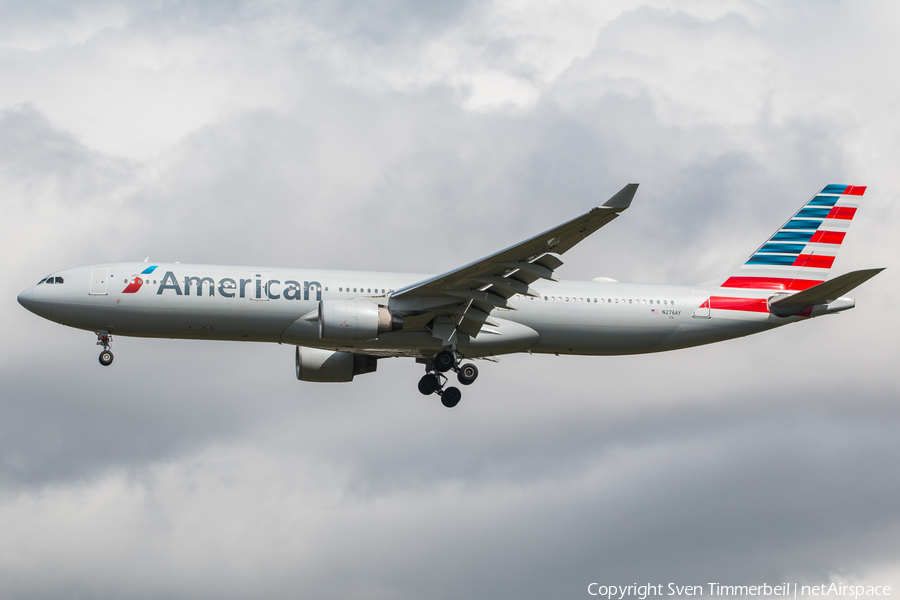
(417,136)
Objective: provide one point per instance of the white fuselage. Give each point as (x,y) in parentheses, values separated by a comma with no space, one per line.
(269,304)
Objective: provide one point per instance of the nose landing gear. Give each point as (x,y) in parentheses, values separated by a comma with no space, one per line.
(104,339)
(432,383)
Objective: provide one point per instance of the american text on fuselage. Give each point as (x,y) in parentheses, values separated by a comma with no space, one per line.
(229,287)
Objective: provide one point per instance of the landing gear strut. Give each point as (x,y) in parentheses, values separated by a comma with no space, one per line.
(433,382)
(104,339)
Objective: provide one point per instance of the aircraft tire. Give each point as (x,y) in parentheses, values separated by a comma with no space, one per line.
(429,384)
(468,373)
(106,358)
(451,397)
(444,361)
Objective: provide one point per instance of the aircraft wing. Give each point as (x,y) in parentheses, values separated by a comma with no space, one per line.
(468,294)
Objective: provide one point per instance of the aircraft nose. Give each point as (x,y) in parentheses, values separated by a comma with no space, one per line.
(26,299)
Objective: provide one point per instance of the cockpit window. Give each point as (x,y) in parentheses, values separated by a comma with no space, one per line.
(58,280)
(41,281)
(48,280)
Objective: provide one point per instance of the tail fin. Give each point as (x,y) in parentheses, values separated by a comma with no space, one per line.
(799,255)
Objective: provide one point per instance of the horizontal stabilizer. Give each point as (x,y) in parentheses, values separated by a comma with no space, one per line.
(826,292)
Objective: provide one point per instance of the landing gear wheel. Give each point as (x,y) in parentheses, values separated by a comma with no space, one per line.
(106,358)
(429,384)
(451,397)
(444,361)
(468,373)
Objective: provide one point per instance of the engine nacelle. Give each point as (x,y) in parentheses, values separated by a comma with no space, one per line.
(314,364)
(355,321)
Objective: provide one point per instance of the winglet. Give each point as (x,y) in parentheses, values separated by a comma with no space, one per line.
(623,197)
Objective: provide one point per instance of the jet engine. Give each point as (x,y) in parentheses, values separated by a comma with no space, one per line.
(314,364)
(355,321)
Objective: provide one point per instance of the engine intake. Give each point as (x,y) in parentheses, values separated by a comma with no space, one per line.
(355,321)
(315,364)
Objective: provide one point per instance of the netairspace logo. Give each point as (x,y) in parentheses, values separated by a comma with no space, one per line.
(715,589)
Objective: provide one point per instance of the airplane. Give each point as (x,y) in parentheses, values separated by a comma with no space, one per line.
(342,322)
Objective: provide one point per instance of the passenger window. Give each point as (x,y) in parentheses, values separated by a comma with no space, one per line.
(665,301)
(354,289)
(629,301)
(545,298)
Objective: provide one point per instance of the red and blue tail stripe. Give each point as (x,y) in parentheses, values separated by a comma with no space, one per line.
(800,254)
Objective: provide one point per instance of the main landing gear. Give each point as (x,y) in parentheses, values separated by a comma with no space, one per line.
(104,339)
(433,382)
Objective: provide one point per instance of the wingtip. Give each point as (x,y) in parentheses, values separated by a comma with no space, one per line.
(623,197)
